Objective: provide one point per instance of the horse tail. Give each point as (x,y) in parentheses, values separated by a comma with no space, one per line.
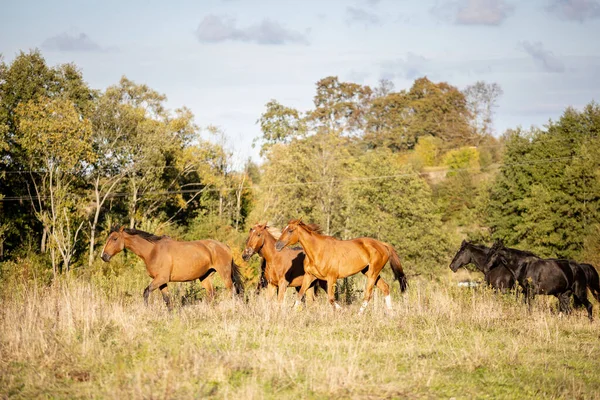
(236,277)
(397,268)
(593,280)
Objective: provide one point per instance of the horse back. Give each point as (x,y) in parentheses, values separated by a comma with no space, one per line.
(190,260)
(548,276)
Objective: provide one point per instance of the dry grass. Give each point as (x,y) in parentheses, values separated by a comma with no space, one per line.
(77,339)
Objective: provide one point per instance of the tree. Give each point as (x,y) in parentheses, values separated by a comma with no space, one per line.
(279,124)
(482,99)
(29,78)
(339,106)
(440,110)
(397,120)
(547,196)
(394,204)
(56,140)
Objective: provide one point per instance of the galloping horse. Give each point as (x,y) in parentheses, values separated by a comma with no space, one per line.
(329,258)
(169,260)
(560,278)
(281,269)
(498,277)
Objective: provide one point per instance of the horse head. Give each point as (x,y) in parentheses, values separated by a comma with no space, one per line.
(255,241)
(461,258)
(289,235)
(114,244)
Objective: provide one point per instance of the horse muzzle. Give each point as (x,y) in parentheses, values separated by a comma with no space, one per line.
(105,257)
(247,254)
(279,245)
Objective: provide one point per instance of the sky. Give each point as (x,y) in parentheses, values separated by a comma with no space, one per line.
(225,59)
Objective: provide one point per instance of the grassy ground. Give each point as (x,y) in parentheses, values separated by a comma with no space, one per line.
(77,339)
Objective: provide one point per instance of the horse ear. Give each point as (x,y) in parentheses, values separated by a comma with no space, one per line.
(121,229)
(463,242)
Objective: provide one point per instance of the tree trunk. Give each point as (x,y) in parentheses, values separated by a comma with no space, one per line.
(132,207)
(94,223)
(44,240)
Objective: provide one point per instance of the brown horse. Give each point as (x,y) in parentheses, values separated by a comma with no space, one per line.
(329,258)
(281,269)
(169,260)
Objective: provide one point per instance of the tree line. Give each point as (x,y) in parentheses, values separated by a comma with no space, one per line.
(420,168)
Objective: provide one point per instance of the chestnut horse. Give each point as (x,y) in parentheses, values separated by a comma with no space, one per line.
(329,258)
(169,260)
(281,269)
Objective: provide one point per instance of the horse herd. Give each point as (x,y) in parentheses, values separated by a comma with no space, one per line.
(506,268)
(321,260)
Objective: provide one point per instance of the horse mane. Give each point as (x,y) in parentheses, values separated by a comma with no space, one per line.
(311,228)
(523,253)
(477,246)
(150,237)
(276,233)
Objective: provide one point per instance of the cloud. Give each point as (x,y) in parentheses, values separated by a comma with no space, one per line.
(575,10)
(411,67)
(216,29)
(360,16)
(543,58)
(71,42)
(473,12)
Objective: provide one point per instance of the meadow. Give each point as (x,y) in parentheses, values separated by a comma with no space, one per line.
(93,337)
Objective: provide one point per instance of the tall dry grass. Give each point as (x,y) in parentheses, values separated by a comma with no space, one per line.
(77,339)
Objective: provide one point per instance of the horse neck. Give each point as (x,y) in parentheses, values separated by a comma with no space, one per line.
(140,247)
(478,257)
(267,251)
(309,242)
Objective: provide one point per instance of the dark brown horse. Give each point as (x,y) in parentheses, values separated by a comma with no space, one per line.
(548,276)
(329,259)
(169,260)
(498,277)
(281,269)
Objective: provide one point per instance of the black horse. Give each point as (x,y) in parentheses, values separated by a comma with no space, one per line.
(559,278)
(593,281)
(498,278)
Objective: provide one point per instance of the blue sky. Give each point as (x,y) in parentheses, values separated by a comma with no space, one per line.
(224,59)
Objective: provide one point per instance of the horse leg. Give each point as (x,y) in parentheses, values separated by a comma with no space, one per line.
(155,284)
(528,296)
(282,287)
(581,295)
(208,286)
(306,282)
(310,294)
(385,289)
(166,297)
(563,302)
(368,293)
(331,292)
(271,291)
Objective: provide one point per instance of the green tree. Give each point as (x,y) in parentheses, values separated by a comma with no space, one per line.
(547,196)
(56,140)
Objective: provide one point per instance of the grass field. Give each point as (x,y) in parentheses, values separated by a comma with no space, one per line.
(77,339)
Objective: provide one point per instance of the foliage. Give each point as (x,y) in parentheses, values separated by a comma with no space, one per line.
(465,158)
(547,193)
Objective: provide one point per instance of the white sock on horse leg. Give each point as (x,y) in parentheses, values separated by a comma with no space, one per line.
(388,302)
(363,307)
